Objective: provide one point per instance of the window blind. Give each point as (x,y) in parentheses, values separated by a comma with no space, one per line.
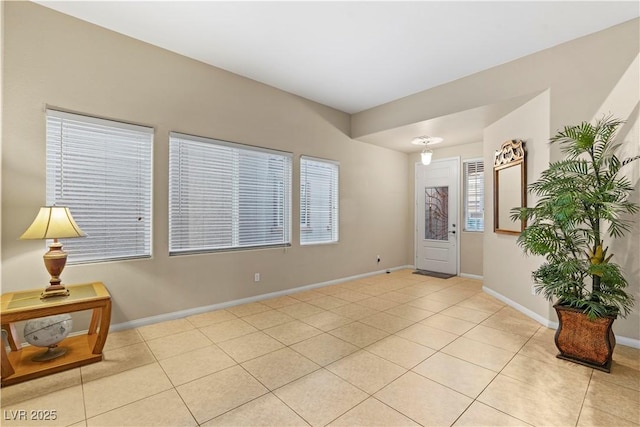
(225,196)
(318,201)
(101,170)
(474,195)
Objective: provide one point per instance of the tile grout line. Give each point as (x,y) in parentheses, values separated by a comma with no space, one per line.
(475,399)
(84,401)
(126,370)
(359,348)
(174,387)
(319,368)
(584,397)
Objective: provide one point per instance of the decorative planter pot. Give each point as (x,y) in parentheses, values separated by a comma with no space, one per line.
(584,341)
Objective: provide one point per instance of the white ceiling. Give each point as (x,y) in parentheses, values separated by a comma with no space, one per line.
(353,55)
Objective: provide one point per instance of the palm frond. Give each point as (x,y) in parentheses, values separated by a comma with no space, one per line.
(580,200)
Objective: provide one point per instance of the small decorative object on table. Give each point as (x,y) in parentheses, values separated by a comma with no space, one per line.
(48,332)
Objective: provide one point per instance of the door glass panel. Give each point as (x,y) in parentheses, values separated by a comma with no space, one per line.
(436,213)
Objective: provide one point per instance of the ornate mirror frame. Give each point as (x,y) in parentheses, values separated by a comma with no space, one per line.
(509,186)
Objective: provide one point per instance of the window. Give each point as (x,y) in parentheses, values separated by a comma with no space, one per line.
(101,170)
(318,201)
(474,195)
(225,196)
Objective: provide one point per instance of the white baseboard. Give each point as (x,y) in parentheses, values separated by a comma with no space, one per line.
(219,306)
(524,310)
(629,342)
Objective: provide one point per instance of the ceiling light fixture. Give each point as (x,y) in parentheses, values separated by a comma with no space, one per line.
(426,140)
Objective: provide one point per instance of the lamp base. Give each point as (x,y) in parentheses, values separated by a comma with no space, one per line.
(54,291)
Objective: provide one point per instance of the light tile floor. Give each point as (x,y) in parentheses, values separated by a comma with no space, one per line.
(391,350)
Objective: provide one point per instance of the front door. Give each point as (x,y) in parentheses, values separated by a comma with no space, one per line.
(437,230)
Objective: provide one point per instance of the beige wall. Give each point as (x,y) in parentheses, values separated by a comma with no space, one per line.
(471,243)
(506,271)
(1,112)
(626,251)
(56,60)
(52,59)
(580,73)
(580,80)
(472,254)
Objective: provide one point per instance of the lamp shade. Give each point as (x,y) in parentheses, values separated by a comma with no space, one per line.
(426,157)
(53,222)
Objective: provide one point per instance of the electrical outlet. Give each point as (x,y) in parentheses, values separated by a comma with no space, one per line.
(533,290)
(256,277)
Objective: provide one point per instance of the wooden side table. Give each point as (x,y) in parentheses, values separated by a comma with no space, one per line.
(17,365)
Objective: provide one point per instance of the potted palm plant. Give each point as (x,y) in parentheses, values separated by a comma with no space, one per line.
(583,202)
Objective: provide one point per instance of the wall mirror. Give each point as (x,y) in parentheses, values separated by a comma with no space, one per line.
(509,186)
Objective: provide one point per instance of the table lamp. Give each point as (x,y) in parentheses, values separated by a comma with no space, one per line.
(53,222)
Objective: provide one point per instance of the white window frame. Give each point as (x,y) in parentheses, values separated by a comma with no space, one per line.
(477,223)
(102,171)
(319,201)
(215,202)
